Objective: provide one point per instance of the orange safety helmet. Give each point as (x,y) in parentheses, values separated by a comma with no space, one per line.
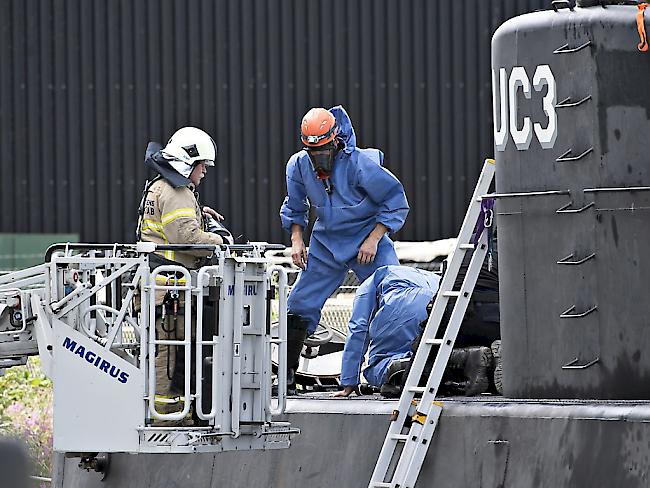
(318,127)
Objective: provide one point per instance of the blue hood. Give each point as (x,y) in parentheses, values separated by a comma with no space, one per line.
(346,131)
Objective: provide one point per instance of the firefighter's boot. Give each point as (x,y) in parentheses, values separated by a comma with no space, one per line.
(474,363)
(296,335)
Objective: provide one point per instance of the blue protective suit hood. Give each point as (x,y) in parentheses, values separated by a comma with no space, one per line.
(346,131)
(154,160)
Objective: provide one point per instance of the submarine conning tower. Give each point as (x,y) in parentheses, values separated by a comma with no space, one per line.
(572,138)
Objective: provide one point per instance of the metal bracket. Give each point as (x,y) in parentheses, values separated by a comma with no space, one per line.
(566,158)
(565,208)
(556,4)
(566,50)
(622,188)
(572,364)
(567,259)
(566,103)
(526,194)
(568,315)
(99,462)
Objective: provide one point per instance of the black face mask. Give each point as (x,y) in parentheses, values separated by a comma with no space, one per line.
(322,158)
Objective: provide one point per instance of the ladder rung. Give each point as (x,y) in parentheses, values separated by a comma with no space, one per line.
(400,437)
(451,293)
(466,246)
(434,341)
(417,389)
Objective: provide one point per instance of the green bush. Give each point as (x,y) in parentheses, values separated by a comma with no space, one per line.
(26,412)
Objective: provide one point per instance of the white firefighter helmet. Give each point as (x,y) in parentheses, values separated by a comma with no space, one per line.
(188,146)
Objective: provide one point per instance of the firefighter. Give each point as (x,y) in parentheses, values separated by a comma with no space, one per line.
(357,203)
(170,213)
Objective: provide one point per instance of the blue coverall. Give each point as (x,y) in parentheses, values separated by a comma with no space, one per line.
(363,194)
(387,311)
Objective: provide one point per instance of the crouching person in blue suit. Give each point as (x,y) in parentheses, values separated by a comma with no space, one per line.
(387,312)
(357,203)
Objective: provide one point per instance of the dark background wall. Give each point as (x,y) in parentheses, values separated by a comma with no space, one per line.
(84,85)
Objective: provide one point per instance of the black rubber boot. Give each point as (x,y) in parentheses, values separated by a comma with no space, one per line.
(296,335)
(474,363)
(395,378)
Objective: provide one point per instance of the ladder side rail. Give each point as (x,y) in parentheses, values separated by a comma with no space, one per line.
(421,355)
(417,366)
(238,321)
(455,320)
(469,222)
(409,478)
(397,424)
(186,342)
(416,445)
(202,281)
(419,362)
(447,283)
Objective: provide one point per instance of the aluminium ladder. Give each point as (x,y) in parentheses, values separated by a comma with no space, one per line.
(414,422)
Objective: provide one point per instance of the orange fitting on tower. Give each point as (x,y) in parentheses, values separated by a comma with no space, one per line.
(640,25)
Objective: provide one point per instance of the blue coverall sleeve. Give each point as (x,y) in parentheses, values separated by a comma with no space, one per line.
(358,338)
(295,208)
(383,188)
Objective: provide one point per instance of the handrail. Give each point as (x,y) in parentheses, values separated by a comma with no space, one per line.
(200,284)
(568,315)
(572,364)
(566,50)
(567,260)
(153,341)
(281,340)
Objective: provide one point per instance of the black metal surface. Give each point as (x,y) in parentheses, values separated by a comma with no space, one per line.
(577,331)
(85,84)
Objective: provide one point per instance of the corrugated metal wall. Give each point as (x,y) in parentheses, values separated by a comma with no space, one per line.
(86,84)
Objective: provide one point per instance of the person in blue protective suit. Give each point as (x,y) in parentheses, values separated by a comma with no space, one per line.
(357,203)
(388,309)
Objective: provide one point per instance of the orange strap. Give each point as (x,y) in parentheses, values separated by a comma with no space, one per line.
(640,25)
